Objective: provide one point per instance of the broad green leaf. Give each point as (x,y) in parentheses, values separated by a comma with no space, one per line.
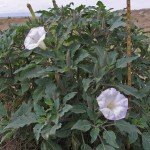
(39,110)
(65,109)
(50,89)
(45,132)
(49,102)
(24,68)
(24,108)
(73,48)
(92,114)
(54,128)
(86,84)
(133,136)
(79,108)
(37,130)
(94,133)
(110,138)
(122,62)
(100,5)
(146,140)
(30,73)
(38,93)
(23,120)
(25,84)
(69,96)
(50,145)
(3,111)
(100,53)
(85,147)
(126,127)
(104,147)
(117,23)
(83,125)
(7,136)
(63,133)
(83,54)
(129,90)
(111,57)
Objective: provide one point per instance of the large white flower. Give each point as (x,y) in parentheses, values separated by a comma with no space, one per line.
(112,104)
(35,38)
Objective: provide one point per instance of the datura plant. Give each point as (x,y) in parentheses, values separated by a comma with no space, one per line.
(63,82)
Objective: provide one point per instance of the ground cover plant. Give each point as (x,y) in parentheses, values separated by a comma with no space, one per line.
(56,69)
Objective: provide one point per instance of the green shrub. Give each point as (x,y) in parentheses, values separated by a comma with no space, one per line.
(50,95)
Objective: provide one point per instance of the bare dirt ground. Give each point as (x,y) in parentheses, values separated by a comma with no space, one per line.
(140,17)
(6,22)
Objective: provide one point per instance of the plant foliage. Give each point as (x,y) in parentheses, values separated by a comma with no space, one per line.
(48,97)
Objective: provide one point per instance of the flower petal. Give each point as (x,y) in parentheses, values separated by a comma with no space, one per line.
(35,38)
(112,104)
(120,112)
(108,114)
(30,44)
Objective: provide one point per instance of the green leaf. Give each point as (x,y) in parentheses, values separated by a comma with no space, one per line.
(83,125)
(50,89)
(24,108)
(146,140)
(65,109)
(28,66)
(37,130)
(49,102)
(94,133)
(122,63)
(79,108)
(7,136)
(129,90)
(100,54)
(117,23)
(25,84)
(69,96)
(23,120)
(3,111)
(92,115)
(133,136)
(110,138)
(86,84)
(73,48)
(30,73)
(85,147)
(104,147)
(126,127)
(39,110)
(100,4)
(111,57)
(81,57)
(50,145)
(54,128)
(38,93)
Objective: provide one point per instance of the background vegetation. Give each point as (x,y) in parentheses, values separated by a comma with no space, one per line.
(48,98)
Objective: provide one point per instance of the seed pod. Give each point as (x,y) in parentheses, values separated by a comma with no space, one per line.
(68,59)
(59,83)
(95,72)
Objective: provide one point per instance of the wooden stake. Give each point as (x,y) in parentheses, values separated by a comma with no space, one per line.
(129,39)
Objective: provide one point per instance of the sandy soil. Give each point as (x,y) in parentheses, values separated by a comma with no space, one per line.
(140,17)
(6,22)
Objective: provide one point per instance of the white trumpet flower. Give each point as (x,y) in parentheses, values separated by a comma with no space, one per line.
(35,38)
(112,104)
